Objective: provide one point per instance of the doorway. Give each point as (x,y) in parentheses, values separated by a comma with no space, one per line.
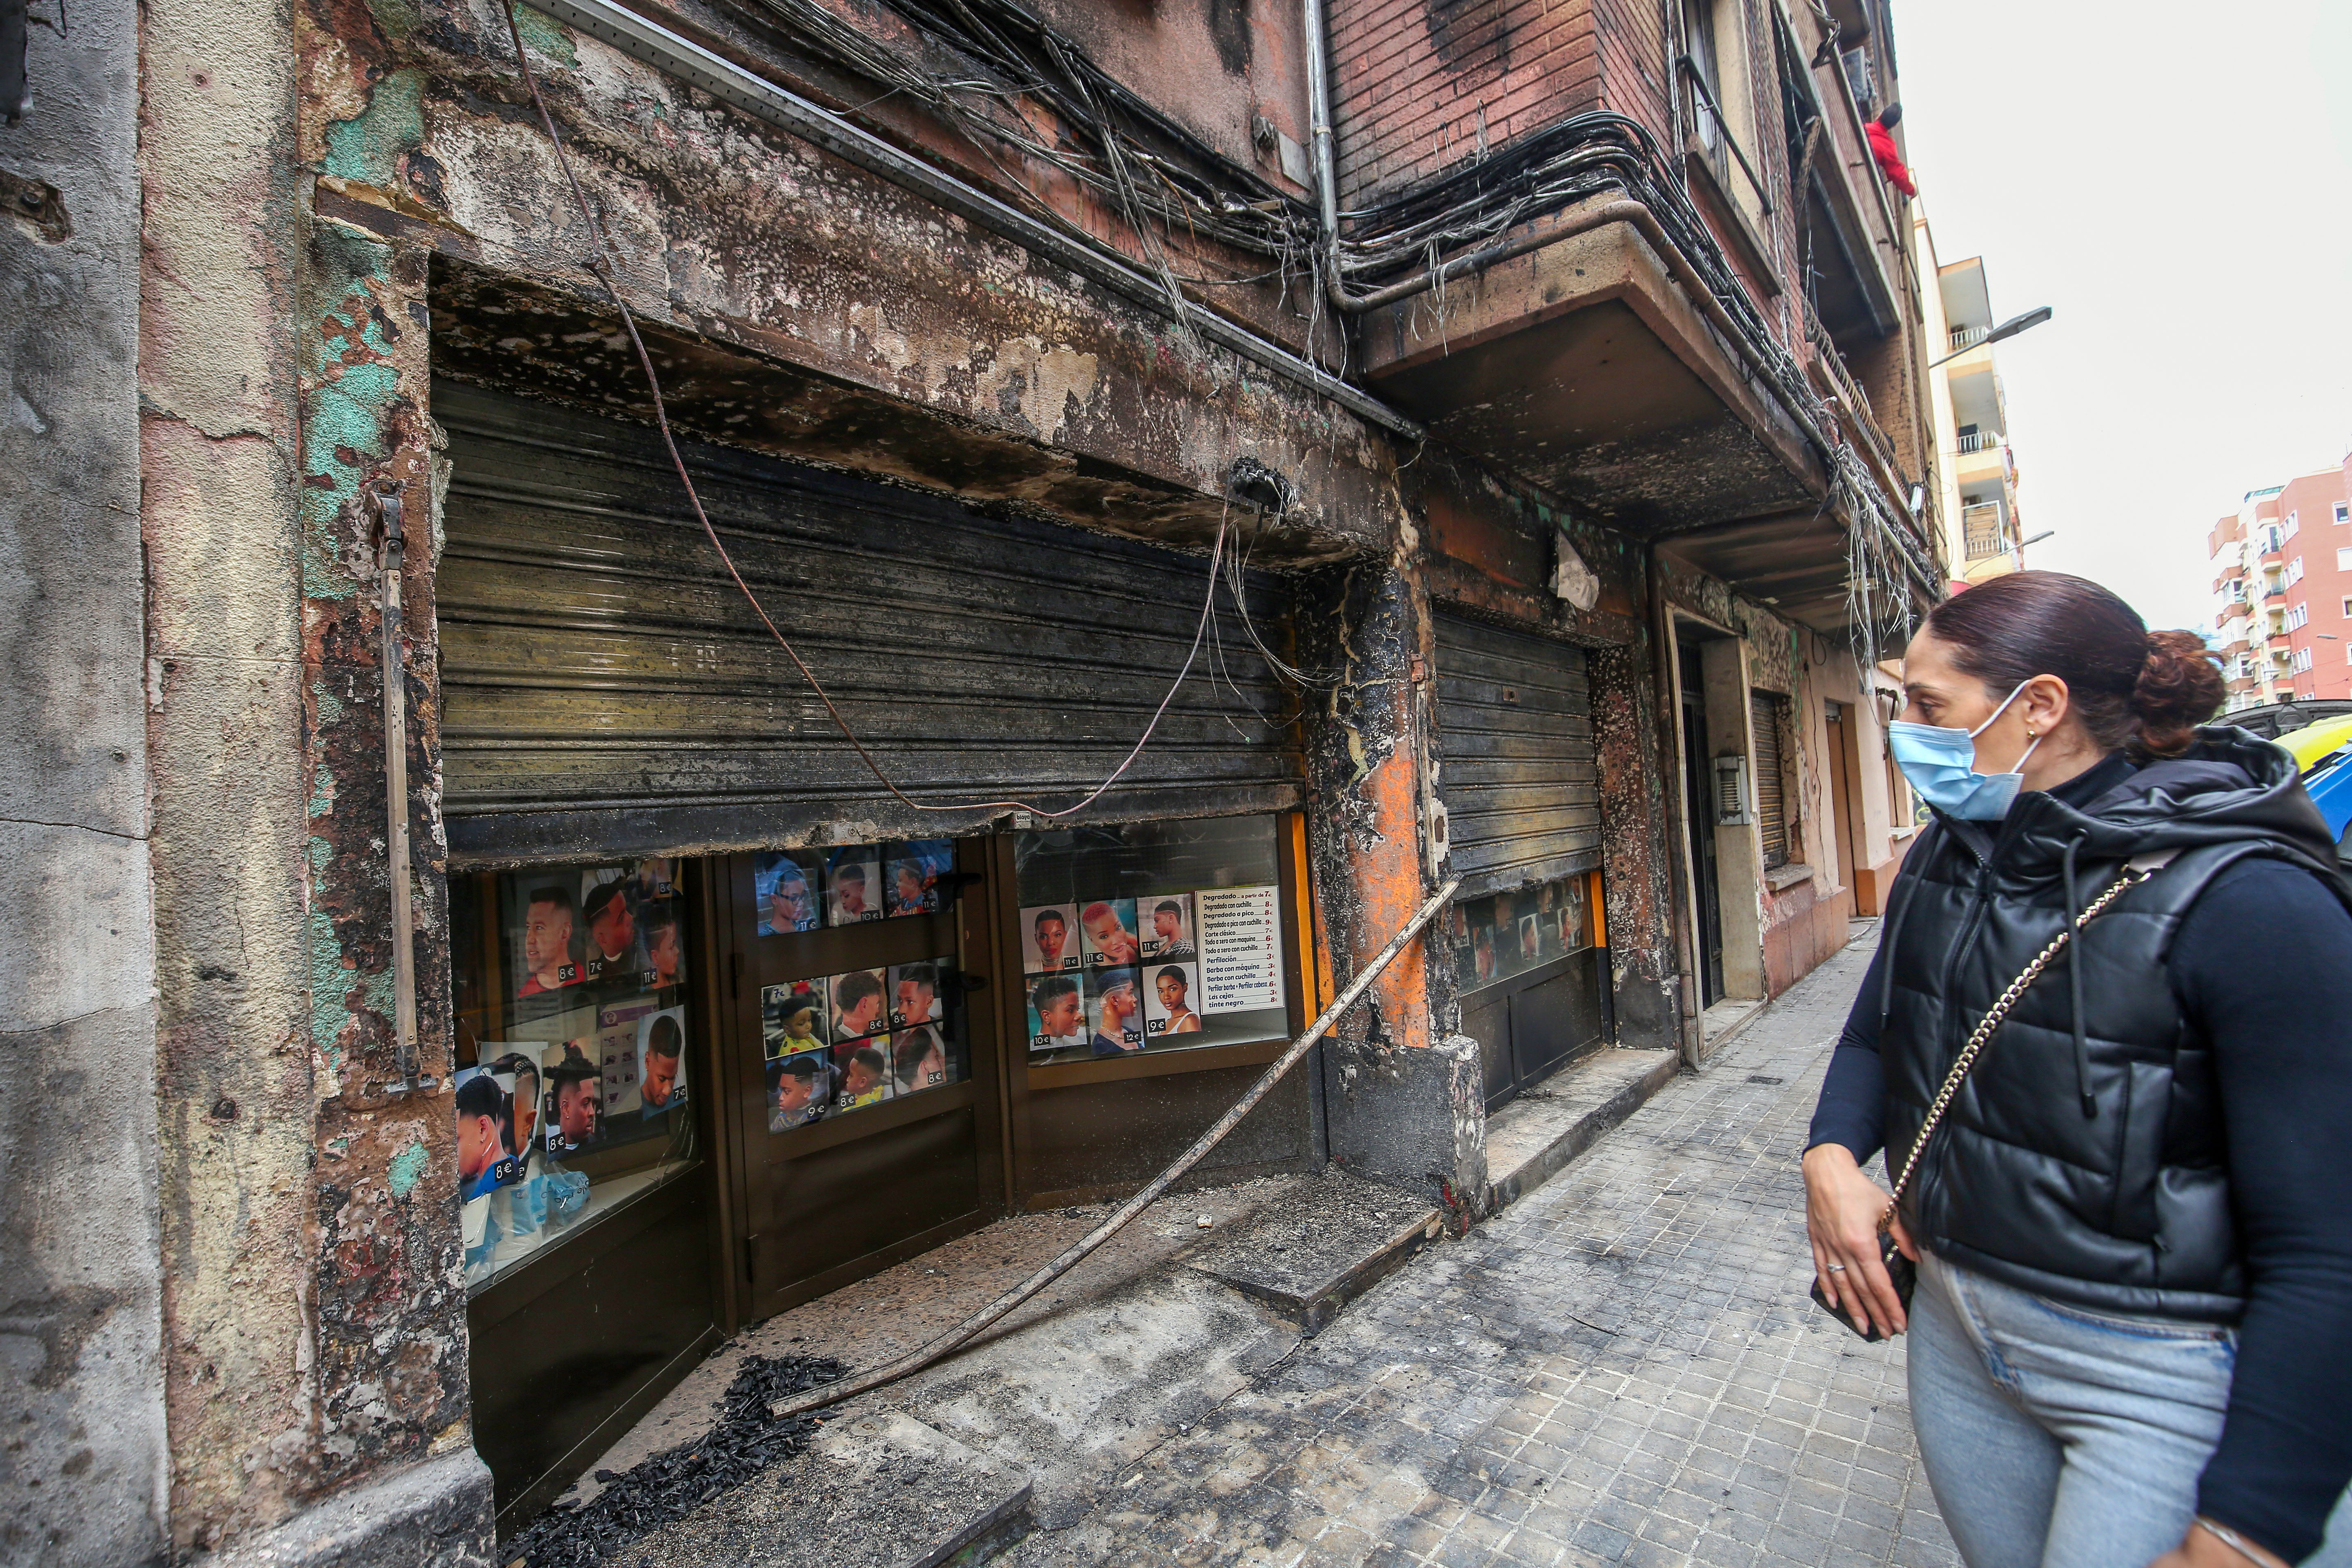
(1699,825)
(1845,795)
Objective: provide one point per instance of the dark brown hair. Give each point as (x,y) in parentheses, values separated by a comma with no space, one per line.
(2130,686)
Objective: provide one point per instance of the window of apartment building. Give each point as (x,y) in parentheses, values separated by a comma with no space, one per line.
(2344,563)
(2347,610)
(2295,572)
(1767,717)
(2343,513)
(2301,660)
(2297,617)
(2294,523)
(1707,64)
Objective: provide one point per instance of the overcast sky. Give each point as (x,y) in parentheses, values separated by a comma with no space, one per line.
(2177,181)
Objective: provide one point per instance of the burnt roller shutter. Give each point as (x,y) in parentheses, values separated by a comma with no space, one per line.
(1764,712)
(1515,733)
(606,690)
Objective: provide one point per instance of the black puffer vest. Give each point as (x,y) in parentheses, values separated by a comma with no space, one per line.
(2084,1157)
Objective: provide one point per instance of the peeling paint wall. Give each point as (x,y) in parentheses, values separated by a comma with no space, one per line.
(748,237)
(314,1317)
(82,1453)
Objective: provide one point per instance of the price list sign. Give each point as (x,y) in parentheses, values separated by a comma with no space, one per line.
(1241,949)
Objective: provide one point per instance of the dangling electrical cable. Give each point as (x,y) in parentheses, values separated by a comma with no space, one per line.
(600,267)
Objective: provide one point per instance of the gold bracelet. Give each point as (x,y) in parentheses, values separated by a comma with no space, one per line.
(2230,1539)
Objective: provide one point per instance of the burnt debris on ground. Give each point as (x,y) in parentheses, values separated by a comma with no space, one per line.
(672,1483)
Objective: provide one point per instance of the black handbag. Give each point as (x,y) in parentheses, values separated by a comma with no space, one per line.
(1900,1270)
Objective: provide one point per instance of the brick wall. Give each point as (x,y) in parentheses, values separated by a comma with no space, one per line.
(1416,83)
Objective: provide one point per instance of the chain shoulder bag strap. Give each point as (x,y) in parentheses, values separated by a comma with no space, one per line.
(1900,1269)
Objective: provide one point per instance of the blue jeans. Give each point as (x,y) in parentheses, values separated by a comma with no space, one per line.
(2056,1438)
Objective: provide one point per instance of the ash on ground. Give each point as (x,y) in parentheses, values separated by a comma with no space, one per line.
(674,1482)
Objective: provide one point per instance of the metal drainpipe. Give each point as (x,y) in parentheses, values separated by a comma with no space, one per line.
(395,778)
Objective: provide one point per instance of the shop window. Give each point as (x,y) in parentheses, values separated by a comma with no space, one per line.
(1506,935)
(836,1044)
(572,1044)
(1152,937)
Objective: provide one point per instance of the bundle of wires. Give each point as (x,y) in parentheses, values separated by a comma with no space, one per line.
(1164,180)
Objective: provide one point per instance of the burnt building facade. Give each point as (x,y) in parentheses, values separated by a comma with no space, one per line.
(668,669)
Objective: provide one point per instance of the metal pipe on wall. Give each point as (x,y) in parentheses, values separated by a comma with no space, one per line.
(395,790)
(754,95)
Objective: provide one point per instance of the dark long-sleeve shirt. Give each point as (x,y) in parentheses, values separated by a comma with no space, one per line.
(2262,966)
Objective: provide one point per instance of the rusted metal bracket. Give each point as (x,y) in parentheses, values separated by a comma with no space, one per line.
(388,495)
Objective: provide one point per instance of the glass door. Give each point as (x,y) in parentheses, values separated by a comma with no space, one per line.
(866,1114)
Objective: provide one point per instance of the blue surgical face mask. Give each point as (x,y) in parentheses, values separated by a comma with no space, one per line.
(1941,763)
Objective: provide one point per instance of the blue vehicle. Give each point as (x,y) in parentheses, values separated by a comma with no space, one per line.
(2329,782)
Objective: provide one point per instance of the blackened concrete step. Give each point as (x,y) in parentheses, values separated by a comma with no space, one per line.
(876,1490)
(1332,1238)
(1531,1140)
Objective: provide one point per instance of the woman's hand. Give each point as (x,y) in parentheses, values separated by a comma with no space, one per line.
(2203,1549)
(1842,1210)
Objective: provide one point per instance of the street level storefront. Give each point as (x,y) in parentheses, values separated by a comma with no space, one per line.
(1520,782)
(733,1026)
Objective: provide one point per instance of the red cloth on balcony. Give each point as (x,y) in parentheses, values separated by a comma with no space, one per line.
(1890,161)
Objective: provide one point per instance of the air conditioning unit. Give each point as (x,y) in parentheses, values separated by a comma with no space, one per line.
(1731,795)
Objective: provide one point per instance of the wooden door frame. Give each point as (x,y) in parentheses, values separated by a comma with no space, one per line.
(741,1055)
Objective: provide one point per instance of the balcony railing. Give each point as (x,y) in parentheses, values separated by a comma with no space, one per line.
(1968,337)
(1983,531)
(1981,441)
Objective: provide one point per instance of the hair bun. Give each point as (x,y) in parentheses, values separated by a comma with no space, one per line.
(2179,688)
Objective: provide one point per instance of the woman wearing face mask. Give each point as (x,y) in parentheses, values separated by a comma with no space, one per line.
(2131,1333)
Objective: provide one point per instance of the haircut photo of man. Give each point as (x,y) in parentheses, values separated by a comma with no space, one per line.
(613,950)
(664,954)
(1057,1018)
(578,1099)
(853,891)
(798,1087)
(919,1058)
(915,995)
(864,1077)
(482,1156)
(660,1087)
(548,961)
(858,1009)
(785,888)
(522,1103)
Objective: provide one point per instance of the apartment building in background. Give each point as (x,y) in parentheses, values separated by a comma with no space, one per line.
(1976,469)
(2282,590)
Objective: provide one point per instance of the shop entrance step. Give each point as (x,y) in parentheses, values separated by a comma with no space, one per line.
(1531,1140)
(1320,1246)
(874,1490)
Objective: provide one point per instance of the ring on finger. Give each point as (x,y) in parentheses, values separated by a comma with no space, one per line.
(1837,1267)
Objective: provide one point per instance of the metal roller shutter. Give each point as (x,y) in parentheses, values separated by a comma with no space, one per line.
(1517,769)
(607,690)
(1764,712)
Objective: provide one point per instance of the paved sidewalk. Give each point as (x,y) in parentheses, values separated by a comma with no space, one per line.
(1620,1369)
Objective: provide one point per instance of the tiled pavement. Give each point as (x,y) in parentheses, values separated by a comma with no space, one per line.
(1620,1369)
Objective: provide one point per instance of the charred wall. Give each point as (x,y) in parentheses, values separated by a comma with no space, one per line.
(80,1310)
